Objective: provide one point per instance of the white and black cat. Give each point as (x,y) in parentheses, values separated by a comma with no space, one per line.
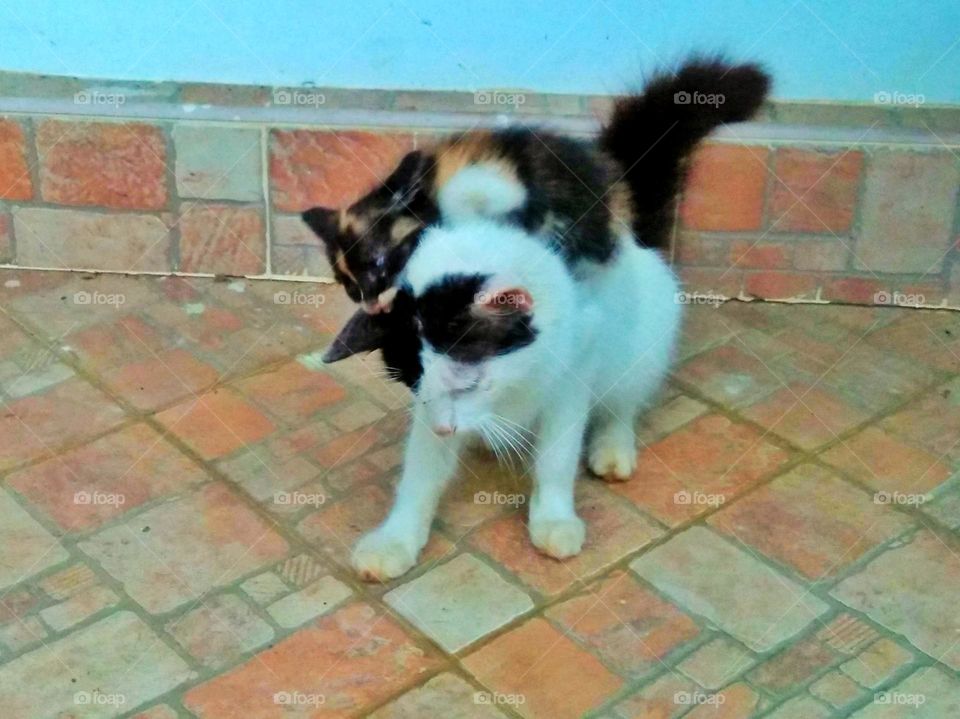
(513,349)
(529,338)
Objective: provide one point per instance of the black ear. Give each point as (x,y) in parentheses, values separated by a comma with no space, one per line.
(408,178)
(362,333)
(323,222)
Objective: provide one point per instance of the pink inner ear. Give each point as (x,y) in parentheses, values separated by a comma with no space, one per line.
(514,299)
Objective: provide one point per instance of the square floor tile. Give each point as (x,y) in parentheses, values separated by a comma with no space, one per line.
(344,663)
(216,423)
(554,677)
(182,549)
(28,547)
(698,467)
(459,602)
(88,486)
(631,628)
(812,521)
(116,662)
(922,575)
(705,574)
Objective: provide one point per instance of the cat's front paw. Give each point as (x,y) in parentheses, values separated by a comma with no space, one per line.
(560,538)
(380,556)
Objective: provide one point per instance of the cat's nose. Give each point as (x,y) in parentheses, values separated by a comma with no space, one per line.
(444,430)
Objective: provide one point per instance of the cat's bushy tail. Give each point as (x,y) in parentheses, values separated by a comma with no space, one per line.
(651,134)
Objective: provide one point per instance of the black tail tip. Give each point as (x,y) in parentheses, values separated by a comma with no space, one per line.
(735,91)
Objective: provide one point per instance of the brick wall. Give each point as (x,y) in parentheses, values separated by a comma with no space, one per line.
(849,221)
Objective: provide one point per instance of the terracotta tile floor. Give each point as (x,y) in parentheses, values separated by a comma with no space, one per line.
(182,481)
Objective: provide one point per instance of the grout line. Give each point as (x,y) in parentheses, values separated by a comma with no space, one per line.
(267,205)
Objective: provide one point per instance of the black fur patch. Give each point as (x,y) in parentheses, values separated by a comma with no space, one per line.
(652,134)
(450,322)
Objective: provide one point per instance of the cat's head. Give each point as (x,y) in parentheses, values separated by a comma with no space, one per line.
(477,324)
(369,242)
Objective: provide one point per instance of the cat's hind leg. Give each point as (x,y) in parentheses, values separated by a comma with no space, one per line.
(612,444)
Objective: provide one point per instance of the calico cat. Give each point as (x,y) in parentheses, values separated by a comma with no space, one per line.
(501,341)
(577,196)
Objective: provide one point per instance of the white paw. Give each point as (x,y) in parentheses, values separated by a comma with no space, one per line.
(560,538)
(613,461)
(379,556)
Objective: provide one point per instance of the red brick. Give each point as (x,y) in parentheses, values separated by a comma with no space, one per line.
(119,165)
(313,167)
(725,188)
(162,379)
(814,191)
(353,658)
(821,255)
(885,463)
(711,455)
(557,678)
(15,183)
(806,415)
(811,520)
(629,626)
(719,282)
(750,255)
(216,423)
(781,285)
(292,391)
(134,463)
(222,239)
(858,290)
(692,248)
(37,425)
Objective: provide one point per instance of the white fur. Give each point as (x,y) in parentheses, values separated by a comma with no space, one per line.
(604,345)
(479,190)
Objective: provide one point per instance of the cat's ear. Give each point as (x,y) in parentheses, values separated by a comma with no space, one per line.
(407,180)
(506,301)
(324,223)
(362,333)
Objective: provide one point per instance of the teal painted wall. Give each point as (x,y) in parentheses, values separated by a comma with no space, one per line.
(817,49)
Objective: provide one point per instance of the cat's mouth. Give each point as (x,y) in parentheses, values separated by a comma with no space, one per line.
(382,303)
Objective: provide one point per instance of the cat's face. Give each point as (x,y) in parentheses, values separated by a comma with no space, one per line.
(369,242)
(462,346)
(476,339)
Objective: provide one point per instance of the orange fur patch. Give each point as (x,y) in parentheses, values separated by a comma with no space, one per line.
(620,203)
(402,227)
